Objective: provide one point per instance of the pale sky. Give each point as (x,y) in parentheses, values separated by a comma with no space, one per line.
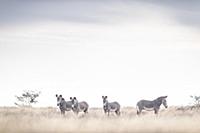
(127,50)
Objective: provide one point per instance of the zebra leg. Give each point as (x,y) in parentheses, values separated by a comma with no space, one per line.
(105,111)
(108,113)
(86,110)
(76,112)
(139,109)
(156,111)
(139,112)
(117,112)
(63,112)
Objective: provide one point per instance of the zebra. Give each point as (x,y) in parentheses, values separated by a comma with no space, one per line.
(110,106)
(79,106)
(63,105)
(151,105)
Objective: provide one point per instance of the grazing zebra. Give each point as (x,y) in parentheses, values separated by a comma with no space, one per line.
(110,106)
(151,105)
(79,106)
(63,105)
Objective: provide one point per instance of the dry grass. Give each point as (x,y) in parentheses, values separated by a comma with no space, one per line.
(49,120)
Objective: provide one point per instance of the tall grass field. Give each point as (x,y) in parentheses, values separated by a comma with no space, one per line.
(49,120)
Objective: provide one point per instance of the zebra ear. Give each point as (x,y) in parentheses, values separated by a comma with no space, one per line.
(70,98)
(56,95)
(106,96)
(75,98)
(60,95)
(103,97)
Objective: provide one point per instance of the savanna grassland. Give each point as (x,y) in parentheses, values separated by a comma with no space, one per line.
(49,120)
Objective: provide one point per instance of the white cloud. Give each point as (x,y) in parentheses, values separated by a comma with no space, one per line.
(127,60)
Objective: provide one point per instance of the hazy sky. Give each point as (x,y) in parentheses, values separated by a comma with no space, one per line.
(127,50)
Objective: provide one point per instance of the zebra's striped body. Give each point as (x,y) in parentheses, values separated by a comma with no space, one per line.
(151,105)
(79,106)
(63,105)
(110,106)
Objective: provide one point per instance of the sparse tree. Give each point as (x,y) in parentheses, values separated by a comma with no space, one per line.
(196,101)
(27,98)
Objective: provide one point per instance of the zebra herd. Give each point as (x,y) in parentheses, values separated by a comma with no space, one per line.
(76,106)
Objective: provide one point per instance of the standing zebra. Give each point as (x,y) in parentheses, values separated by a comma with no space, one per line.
(110,106)
(63,105)
(79,106)
(151,105)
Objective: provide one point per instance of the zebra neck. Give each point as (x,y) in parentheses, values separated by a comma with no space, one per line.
(105,104)
(158,102)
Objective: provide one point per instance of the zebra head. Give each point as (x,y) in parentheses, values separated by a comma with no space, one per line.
(164,101)
(105,101)
(74,102)
(59,99)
